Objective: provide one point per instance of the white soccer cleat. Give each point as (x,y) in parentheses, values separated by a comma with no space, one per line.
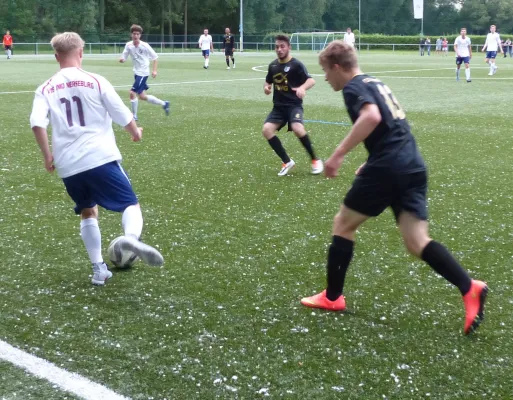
(233,66)
(285,168)
(100,274)
(146,253)
(317,167)
(227,67)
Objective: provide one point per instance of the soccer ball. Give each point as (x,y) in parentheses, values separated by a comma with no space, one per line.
(120,258)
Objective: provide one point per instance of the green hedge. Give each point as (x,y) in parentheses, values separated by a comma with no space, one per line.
(380,39)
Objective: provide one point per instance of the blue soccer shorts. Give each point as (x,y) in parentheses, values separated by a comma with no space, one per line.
(107,185)
(140,85)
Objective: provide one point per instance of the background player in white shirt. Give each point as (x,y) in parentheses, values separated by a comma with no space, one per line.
(492,44)
(206,45)
(81,107)
(141,53)
(349,37)
(463,50)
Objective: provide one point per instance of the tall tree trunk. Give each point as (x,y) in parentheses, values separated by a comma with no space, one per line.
(170,20)
(162,20)
(102,16)
(185,21)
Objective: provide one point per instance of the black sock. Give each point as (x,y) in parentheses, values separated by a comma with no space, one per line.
(305,141)
(275,143)
(233,60)
(442,261)
(340,254)
(228,61)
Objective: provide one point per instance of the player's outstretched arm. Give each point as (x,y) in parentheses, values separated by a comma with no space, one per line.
(134,130)
(368,120)
(301,91)
(42,140)
(268,88)
(154,72)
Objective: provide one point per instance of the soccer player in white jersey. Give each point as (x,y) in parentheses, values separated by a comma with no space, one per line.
(463,50)
(492,44)
(206,45)
(349,37)
(141,53)
(81,107)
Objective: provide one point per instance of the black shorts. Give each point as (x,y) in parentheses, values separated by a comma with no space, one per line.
(372,193)
(8,47)
(228,52)
(284,115)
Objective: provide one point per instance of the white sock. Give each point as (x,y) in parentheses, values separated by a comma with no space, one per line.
(206,61)
(457,72)
(9,53)
(90,232)
(467,73)
(154,100)
(491,67)
(134,103)
(132,221)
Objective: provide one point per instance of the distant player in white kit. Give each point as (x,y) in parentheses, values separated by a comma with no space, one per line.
(81,107)
(463,50)
(141,53)
(349,37)
(206,45)
(492,44)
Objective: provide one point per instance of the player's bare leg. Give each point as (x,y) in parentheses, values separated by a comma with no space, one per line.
(417,241)
(340,254)
(300,132)
(269,132)
(92,238)
(155,100)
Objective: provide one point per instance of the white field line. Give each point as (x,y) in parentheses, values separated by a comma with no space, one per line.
(257,69)
(161,84)
(67,381)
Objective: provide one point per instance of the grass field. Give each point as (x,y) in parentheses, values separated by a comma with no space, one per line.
(222,318)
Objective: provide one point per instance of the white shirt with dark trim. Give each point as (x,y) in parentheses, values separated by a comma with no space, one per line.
(463,46)
(205,41)
(349,38)
(80,106)
(493,41)
(141,55)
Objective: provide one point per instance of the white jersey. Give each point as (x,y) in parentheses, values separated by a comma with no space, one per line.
(141,57)
(80,107)
(349,38)
(492,41)
(205,42)
(463,46)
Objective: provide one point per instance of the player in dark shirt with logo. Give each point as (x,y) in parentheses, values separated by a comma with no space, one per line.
(228,47)
(394,176)
(291,81)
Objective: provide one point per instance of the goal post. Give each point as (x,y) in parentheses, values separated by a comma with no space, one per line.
(314,41)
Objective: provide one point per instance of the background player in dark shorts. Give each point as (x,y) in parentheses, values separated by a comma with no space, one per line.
(291,80)
(393,176)
(228,46)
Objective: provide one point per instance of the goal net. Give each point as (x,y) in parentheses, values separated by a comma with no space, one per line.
(314,41)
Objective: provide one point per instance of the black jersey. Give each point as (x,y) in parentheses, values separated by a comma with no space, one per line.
(391,145)
(228,42)
(285,76)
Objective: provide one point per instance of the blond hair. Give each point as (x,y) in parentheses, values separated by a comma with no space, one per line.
(339,53)
(66,42)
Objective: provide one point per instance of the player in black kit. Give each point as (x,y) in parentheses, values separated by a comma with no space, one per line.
(228,47)
(394,176)
(291,81)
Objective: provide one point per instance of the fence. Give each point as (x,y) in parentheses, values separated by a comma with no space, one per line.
(185,47)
